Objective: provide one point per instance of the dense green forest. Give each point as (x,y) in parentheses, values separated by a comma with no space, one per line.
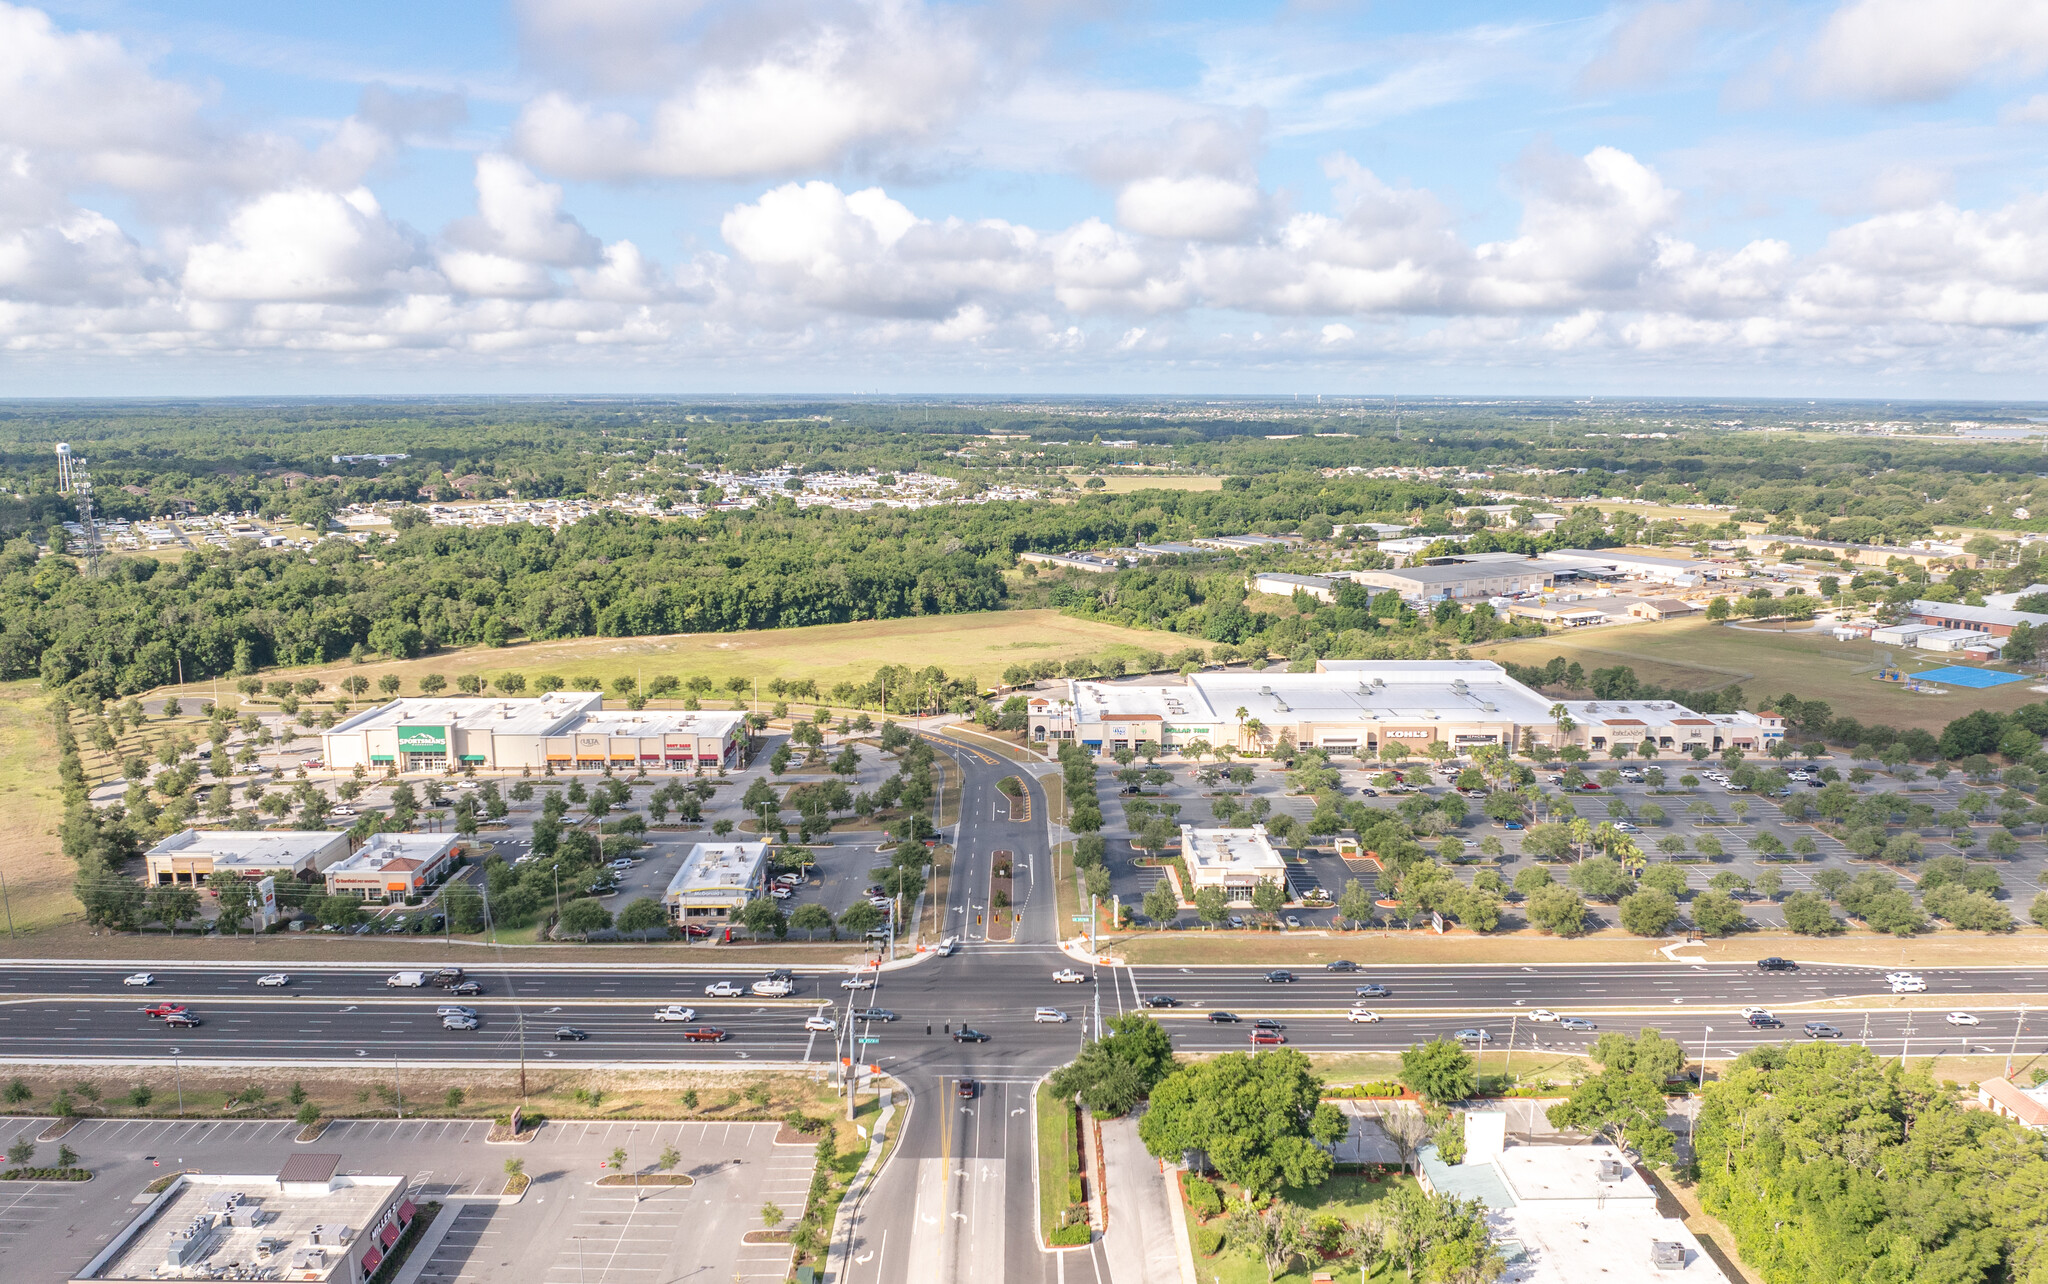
(1833,1166)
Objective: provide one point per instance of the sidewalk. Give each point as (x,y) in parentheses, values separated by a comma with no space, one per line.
(1142,1242)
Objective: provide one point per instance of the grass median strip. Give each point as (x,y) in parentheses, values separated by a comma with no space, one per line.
(1062,1217)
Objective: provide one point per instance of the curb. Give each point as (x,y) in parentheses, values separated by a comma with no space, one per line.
(856,1194)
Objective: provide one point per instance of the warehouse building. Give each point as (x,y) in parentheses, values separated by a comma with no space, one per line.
(1360,707)
(569,730)
(190,856)
(1973,619)
(1280,584)
(1475,577)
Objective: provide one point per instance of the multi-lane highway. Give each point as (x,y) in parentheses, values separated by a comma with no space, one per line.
(956,1202)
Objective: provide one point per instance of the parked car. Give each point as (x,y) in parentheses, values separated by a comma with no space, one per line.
(1292,921)
(1511,824)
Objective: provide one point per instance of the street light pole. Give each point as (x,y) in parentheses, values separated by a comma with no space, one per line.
(1704,1032)
(2015,1049)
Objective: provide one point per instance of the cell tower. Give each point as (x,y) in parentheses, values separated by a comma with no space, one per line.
(74,480)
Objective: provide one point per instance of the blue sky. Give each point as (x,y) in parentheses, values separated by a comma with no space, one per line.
(1683,196)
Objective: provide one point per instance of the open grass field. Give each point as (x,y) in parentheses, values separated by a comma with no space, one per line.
(1765,662)
(1117,484)
(980,644)
(37,873)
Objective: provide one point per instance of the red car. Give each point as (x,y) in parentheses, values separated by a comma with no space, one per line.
(1263,1037)
(705,1034)
(695,932)
(1590,785)
(164,1010)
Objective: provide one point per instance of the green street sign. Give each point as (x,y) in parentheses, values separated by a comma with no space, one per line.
(1083,918)
(867,1038)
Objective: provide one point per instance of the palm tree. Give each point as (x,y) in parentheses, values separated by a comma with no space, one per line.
(1241,714)
(1563,718)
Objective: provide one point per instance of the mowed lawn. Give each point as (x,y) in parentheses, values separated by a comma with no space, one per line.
(1765,663)
(980,645)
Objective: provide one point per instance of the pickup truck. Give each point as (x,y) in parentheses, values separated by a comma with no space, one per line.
(675,1012)
(705,1034)
(405,980)
(723,990)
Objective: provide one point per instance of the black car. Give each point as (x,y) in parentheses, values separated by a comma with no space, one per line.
(875,889)
(1776,964)
(1340,965)
(570,1034)
(465,987)
(1267,1023)
(873,1014)
(1130,789)
(965,1035)
(1373,991)
(1274,978)
(1162,1001)
(1367,791)
(1763,1021)
(1223,1018)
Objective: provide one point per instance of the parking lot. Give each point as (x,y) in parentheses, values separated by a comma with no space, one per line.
(564,1229)
(1736,830)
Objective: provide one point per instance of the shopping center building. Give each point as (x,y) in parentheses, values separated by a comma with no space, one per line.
(1359,707)
(568,730)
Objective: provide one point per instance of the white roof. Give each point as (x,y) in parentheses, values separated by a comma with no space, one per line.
(382,849)
(253,847)
(547,715)
(1239,853)
(661,722)
(1976,614)
(718,869)
(1572,1226)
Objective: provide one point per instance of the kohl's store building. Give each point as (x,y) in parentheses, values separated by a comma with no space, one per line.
(568,730)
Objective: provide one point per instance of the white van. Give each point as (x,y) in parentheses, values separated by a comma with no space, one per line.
(406,980)
(949,947)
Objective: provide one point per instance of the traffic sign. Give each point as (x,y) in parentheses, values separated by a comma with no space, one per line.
(1084,918)
(868,1038)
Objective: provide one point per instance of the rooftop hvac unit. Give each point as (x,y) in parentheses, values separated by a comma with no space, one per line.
(1489,706)
(1266,690)
(1665,1255)
(1458,685)
(1613,1170)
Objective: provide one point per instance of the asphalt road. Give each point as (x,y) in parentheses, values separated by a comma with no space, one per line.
(956,1200)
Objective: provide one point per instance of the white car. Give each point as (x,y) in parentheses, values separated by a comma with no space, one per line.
(723,990)
(821,1024)
(1362,1015)
(781,893)
(465,784)
(1543,1014)
(858,983)
(1906,983)
(1961,1018)
(1049,1014)
(675,1012)
(1068,976)
(273,978)
(1895,977)
(341,811)
(140,978)
(1747,1013)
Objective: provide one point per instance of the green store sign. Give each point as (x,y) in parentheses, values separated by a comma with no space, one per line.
(423,740)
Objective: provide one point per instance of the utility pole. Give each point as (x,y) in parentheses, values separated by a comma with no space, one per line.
(1704,1032)
(397,1089)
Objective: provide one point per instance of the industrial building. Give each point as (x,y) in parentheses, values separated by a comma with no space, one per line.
(306,1222)
(716,880)
(190,856)
(1478,576)
(1235,860)
(568,730)
(1280,584)
(395,866)
(1360,707)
